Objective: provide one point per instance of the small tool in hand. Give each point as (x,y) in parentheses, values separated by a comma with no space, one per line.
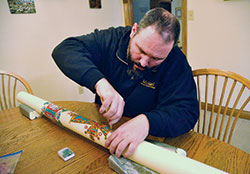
(106,111)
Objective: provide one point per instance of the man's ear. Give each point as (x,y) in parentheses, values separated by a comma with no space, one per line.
(133,30)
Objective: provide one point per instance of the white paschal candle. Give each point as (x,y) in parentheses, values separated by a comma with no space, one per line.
(152,156)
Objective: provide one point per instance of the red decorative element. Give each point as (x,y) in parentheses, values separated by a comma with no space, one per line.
(94,129)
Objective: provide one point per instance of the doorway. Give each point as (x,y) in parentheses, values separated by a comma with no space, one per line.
(135,9)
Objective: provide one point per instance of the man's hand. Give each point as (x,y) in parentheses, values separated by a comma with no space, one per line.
(129,135)
(112,102)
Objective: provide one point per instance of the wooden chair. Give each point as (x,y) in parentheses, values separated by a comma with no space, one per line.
(11,83)
(225,95)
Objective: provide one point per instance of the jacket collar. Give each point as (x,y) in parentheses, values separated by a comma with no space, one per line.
(121,53)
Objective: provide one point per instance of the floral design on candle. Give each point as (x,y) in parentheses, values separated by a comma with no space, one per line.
(90,127)
(94,129)
(52,111)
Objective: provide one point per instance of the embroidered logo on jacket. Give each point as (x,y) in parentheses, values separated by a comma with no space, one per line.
(148,84)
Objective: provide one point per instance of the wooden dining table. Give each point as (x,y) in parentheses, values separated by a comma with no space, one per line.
(41,139)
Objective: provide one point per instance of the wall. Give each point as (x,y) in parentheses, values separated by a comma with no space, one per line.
(28,40)
(219,35)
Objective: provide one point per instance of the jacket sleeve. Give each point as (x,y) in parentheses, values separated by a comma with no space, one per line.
(177,110)
(81,58)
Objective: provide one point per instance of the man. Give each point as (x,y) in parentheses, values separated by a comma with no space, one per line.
(138,72)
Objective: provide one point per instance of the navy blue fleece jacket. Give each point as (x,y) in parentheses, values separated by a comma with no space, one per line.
(166,95)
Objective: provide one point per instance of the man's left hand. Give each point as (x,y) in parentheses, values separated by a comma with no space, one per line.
(129,135)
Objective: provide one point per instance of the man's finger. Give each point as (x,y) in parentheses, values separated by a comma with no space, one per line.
(110,139)
(130,150)
(121,147)
(114,121)
(105,106)
(114,144)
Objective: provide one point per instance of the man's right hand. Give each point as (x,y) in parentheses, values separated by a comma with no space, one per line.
(112,102)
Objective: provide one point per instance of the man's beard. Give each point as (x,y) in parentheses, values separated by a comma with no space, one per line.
(135,73)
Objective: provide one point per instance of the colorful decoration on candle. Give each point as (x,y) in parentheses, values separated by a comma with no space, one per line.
(91,127)
(52,111)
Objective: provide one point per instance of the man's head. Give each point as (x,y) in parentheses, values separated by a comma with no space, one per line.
(152,39)
(165,24)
